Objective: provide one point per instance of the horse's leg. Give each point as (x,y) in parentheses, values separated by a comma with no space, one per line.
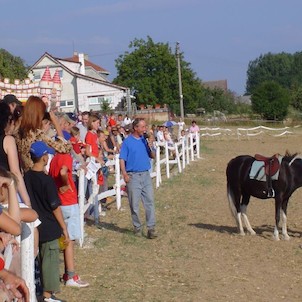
(277,217)
(284,220)
(234,197)
(244,204)
(239,224)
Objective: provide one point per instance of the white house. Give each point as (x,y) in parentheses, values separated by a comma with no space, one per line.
(83,85)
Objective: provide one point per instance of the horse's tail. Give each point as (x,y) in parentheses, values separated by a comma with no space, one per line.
(231,201)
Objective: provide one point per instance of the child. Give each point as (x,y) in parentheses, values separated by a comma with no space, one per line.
(76,153)
(46,202)
(61,171)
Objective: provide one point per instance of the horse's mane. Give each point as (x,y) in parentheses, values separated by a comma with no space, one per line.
(289,157)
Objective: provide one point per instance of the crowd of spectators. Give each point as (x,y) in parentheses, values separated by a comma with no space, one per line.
(41,154)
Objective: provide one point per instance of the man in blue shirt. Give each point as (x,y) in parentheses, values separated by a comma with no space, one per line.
(135,164)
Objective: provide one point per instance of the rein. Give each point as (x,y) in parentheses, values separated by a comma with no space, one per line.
(296,157)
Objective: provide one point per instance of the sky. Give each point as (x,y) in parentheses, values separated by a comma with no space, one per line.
(217,37)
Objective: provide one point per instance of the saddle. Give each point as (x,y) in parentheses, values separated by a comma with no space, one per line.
(271,167)
(271,164)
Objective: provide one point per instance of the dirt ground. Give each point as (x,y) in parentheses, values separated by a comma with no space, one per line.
(198,255)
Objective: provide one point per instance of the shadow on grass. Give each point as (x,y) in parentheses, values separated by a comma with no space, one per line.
(263,230)
(215,228)
(109,226)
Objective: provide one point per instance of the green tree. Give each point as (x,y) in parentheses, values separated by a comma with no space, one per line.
(218,99)
(271,101)
(105,106)
(11,67)
(150,69)
(296,96)
(270,67)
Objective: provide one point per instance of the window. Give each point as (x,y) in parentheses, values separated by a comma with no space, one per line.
(37,75)
(61,73)
(96,100)
(67,103)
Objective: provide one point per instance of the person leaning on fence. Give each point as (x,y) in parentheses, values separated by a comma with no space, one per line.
(135,165)
(78,160)
(194,129)
(92,152)
(45,200)
(103,177)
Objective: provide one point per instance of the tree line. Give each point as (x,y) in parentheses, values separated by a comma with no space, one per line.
(149,69)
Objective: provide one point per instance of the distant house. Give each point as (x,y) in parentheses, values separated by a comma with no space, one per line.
(220,84)
(83,85)
(244,99)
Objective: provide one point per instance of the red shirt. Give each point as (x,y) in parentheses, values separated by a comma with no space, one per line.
(111,122)
(75,145)
(69,197)
(92,140)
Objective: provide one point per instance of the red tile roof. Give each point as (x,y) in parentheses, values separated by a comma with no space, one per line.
(75,58)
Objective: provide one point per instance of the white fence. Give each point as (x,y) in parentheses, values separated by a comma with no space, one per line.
(246,133)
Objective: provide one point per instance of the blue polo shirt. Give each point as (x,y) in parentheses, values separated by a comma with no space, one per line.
(134,153)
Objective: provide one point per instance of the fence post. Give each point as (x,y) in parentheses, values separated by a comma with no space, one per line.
(198,144)
(81,198)
(118,182)
(28,258)
(183,152)
(167,159)
(157,167)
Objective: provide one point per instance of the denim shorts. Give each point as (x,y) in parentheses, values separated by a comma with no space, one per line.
(71,215)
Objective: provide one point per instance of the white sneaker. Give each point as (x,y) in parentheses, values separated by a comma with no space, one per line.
(76,282)
(53,298)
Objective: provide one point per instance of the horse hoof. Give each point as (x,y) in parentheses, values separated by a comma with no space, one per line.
(286,237)
(276,238)
(253,233)
(242,234)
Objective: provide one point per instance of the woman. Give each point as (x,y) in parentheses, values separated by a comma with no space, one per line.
(31,131)
(8,150)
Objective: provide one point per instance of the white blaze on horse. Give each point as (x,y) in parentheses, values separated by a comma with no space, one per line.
(281,176)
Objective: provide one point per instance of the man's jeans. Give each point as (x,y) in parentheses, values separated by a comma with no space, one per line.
(140,187)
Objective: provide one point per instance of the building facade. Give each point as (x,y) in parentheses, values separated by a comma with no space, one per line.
(79,85)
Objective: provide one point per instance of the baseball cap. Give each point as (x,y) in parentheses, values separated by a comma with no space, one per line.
(10,99)
(70,117)
(39,148)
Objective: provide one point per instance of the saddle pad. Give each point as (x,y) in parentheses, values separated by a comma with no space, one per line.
(257,170)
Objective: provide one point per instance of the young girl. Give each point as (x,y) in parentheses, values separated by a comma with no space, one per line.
(92,152)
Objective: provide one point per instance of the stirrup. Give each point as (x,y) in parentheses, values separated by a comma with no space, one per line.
(271,193)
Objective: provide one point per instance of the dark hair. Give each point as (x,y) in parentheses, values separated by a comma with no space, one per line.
(17,112)
(46,116)
(8,174)
(5,116)
(136,122)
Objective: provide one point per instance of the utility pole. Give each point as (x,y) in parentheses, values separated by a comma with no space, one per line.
(179,82)
(128,100)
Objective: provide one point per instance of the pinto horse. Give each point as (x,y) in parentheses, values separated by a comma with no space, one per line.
(240,188)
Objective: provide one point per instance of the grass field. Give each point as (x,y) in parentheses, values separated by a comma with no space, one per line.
(198,255)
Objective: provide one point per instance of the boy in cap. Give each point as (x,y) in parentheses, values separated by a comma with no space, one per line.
(46,202)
